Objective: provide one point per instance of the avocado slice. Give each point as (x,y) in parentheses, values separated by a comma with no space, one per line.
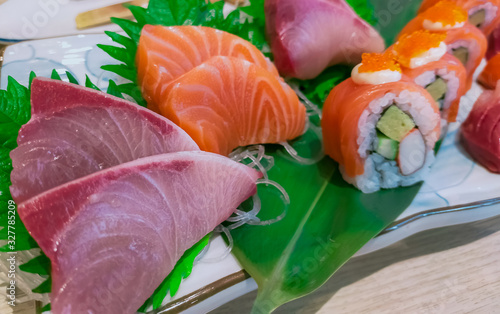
(477,18)
(395,124)
(386,147)
(438,90)
(462,54)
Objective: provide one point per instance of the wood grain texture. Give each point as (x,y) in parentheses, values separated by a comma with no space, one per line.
(448,270)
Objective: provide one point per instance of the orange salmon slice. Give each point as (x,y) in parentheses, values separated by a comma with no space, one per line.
(228,102)
(166,53)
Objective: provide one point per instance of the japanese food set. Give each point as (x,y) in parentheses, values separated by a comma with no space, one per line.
(134,188)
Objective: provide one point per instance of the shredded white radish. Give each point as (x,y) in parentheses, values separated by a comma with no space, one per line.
(257,157)
(242,217)
(306,161)
(312,108)
(218,230)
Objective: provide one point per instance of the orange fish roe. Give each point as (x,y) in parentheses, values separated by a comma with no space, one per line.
(446,12)
(415,44)
(373,62)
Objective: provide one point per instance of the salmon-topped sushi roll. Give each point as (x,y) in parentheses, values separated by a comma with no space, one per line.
(380,126)
(484,14)
(439,72)
(466,42)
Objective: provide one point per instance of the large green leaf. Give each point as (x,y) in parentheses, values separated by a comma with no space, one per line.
(327,222)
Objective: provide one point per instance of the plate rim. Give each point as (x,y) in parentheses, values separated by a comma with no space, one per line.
(210,290)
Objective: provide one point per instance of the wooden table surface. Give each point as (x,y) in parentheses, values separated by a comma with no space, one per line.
(448,270)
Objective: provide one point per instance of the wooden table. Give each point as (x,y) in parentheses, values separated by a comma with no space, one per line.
(448,270)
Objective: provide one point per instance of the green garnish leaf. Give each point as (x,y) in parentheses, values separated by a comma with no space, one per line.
(317,89)
(71,78)
(89,84)
(32,77)
(114,90)
(39,265)
(181,271)
(45,308)
(125,71)
(126,42)
(44,287)
(364,9)
(117,53)
(55,75)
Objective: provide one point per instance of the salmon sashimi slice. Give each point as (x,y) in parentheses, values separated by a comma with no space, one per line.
(165,53)
(75,131)
(491,73)
(127,226)
(491,13)
(343,109)
(228,102)
(453,71)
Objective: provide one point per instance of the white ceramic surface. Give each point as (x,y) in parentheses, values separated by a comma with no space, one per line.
(455,179)
(34,19)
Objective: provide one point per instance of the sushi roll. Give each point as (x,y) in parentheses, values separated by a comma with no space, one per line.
(466,42)
(440,73)
(484,14)
(380,126)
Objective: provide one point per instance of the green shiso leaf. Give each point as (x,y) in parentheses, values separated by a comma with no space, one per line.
(45,308)
(39,265)
(181,271)
(117,53)
(55,75)
(71,78)
(364,9)
(123,70)
(113,89)
(89,84)
(126,42)
(44,287)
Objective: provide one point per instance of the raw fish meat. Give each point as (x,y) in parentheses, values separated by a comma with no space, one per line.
(493,44)
(491,73)
(481,130)
(165,53)
(113,236)
(307,36)
(75,131)
(229,102)
(490,7)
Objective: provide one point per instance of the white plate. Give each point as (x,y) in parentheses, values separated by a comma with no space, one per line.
(34,19)
(445,199)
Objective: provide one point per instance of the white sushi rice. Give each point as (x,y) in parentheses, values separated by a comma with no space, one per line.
(452,83)
(489,9)
(378,171)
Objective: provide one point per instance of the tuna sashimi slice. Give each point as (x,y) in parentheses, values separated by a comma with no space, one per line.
(113,236)
(228,102)
(165,53)
(307,36)
(75,131)
(480,133)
